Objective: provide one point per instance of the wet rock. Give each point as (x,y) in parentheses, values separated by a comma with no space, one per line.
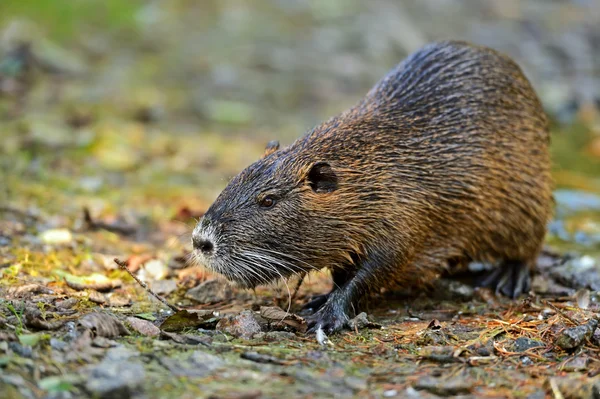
(243,325)
(444,387)
(211,291)
(143,327)
(198,364)
(522,344)
(571,338)
(361,321)
(115,378)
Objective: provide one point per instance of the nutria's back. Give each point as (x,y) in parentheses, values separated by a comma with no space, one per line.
(445,159)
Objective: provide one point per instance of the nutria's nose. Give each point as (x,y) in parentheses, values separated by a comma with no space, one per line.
(204,245)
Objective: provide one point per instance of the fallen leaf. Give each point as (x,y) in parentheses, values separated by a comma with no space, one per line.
(279,317)
(95,281)
(103,325)
(192,319)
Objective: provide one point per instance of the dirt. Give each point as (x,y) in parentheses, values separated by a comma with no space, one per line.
(120,126)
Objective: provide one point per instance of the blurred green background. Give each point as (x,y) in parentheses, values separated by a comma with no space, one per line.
(147,106)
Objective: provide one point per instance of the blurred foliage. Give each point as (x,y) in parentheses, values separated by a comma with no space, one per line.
(64,19)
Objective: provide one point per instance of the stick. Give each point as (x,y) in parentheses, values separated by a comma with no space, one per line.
(123,266)
(300,281)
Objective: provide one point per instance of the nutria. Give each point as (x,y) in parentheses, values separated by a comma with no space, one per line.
(444,161)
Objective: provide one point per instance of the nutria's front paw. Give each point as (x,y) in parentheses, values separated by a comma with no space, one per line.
(329,318)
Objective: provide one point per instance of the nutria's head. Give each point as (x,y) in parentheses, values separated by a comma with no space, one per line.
(277,218)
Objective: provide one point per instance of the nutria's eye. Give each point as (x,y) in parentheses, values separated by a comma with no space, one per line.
(267,202)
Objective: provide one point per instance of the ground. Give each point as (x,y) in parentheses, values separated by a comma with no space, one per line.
(120,126)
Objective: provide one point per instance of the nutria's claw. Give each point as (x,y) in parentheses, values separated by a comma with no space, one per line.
(510,279)
(328,319)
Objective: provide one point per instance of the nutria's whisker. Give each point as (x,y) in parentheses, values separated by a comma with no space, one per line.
(267,261)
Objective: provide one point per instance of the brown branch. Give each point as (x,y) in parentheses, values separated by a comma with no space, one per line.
(123,266)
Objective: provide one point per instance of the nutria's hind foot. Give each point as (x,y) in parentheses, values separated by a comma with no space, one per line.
(511,279)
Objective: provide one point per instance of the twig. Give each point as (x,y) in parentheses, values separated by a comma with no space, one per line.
(560,312)
(300,281)
(123,266)
(555,390)
(119,228)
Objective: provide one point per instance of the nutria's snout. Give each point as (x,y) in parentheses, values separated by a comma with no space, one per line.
(204,243)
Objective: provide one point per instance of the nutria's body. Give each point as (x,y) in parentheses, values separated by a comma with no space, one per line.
(444,160)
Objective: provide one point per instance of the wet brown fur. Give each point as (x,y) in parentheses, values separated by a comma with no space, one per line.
(446,158)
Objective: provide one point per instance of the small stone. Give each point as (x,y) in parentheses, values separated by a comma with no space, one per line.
(243,325)
(578,363)
(143,327)
(571,338)
(522,344)
(210,291)
(361,321)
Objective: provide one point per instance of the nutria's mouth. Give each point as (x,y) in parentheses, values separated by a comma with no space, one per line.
(243,271)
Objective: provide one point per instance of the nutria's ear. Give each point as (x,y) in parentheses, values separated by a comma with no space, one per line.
(322,178)
(271,147)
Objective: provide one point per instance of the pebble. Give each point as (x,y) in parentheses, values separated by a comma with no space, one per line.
(571,338)
(243,325)
(144,327)
(522,344)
